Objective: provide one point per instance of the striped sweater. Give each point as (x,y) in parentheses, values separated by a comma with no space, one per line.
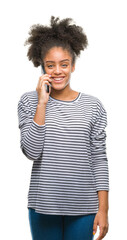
(68,153)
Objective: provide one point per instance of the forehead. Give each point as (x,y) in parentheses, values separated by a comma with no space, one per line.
(57,54)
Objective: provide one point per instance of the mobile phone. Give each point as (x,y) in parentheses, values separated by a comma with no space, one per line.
(44,72)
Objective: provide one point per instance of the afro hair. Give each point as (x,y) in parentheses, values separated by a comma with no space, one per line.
(59,33)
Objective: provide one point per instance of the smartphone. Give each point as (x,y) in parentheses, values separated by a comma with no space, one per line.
(43,72)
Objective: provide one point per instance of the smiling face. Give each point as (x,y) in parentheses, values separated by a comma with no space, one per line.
(58,63)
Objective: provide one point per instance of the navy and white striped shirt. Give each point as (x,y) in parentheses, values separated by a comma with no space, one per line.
(68,152)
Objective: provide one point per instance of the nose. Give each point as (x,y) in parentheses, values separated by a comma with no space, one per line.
(57,70)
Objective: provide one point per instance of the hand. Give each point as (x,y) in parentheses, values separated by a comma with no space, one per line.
(43,96)
(101,219)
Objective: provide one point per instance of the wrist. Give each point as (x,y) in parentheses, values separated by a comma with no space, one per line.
(103,209)
(41,104)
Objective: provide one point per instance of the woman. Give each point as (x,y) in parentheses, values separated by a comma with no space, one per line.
(63,132)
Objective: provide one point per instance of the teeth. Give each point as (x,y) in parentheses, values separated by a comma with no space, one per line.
(58,79)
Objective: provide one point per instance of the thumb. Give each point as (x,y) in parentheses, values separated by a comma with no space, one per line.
(94,227)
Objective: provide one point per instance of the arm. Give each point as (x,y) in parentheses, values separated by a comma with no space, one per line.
(100,168)
(31,132)
(101,217)
(98,147)
(103,201)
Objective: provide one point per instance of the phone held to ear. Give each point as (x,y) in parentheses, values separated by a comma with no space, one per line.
(43,72)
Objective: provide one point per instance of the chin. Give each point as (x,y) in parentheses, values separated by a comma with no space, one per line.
(59,86)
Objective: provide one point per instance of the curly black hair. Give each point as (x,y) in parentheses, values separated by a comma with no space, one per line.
(60,33)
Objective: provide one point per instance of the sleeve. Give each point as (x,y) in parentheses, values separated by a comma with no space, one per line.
(31,134)
(98,148)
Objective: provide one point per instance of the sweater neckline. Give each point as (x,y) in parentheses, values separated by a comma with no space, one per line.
(62,101)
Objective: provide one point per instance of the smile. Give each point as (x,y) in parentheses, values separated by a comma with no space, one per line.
(58,79)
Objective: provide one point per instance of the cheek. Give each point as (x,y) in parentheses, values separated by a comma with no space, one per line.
(67,71)
(48,70)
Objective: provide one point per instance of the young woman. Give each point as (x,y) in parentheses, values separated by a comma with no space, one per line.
(63,132)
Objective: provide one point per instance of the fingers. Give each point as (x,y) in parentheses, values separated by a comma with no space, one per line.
(42,79)
(94,227)
(103,226)
(103,231)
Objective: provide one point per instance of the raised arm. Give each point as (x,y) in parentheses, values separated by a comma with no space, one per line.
(32,128)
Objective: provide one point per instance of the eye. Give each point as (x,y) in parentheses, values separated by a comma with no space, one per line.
(65,65)
(50,66)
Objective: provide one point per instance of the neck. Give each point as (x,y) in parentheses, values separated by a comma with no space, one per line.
(61,94)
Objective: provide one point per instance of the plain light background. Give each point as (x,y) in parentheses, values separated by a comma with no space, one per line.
(100,71)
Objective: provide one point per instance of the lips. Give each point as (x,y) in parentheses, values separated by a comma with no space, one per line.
(58,79)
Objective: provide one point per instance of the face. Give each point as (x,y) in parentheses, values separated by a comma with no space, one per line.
(58,63)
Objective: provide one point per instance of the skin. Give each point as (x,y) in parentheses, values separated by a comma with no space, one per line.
(62,91)
(56,66)
(101,218)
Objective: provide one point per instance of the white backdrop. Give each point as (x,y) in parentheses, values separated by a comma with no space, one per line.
(100,71)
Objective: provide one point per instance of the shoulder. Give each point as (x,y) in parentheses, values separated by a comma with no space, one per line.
(29,96)
(28,100)
(94,100)
(95,104)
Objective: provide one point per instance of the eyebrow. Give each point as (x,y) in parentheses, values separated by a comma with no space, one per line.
(60,61)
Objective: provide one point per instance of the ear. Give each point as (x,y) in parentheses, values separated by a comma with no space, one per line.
(73,68)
